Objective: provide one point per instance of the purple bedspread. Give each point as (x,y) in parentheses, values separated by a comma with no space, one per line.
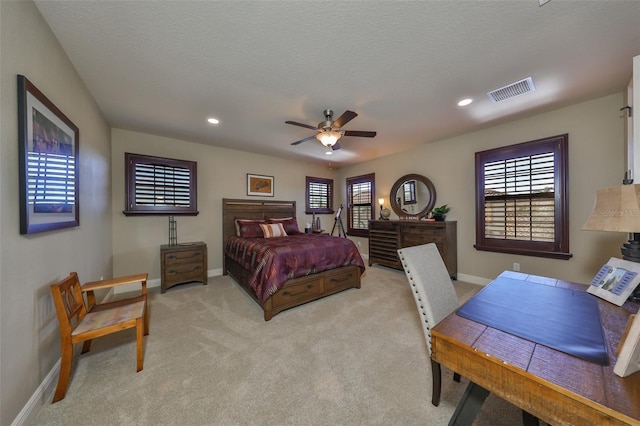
(277,260)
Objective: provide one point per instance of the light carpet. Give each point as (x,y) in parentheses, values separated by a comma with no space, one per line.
(354,358)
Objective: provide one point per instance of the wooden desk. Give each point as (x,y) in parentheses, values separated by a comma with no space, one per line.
(555,387)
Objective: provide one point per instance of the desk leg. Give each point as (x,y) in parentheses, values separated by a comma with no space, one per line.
(469,405)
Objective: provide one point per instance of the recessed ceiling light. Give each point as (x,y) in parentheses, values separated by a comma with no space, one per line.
(465,102)
(213,120)
(329,153)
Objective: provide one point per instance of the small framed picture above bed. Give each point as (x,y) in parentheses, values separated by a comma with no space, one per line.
(259,185)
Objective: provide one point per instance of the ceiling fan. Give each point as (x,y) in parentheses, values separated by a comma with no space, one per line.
(329,131)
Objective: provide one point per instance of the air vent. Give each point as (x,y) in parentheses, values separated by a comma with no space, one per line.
(511,91)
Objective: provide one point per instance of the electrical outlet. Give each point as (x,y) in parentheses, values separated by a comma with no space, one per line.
(516,266)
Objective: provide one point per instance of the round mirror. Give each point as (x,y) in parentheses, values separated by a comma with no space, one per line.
(412,195)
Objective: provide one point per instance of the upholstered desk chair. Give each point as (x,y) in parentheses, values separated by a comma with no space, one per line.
(434,295)
(82,323)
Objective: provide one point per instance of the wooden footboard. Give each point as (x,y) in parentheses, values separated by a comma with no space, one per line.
(298,291)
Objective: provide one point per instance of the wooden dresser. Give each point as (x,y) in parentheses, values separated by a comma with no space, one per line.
(182,263)
(387,236)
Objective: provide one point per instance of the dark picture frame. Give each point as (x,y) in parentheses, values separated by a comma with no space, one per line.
(259,185)
(49,172)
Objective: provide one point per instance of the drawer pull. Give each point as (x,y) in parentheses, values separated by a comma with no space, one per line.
(286,293)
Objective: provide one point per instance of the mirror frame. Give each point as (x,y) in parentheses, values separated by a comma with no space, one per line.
(396,186)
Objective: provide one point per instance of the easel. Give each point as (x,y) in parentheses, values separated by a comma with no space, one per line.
(338,221)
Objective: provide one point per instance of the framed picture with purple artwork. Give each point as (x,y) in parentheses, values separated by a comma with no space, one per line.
(48,148)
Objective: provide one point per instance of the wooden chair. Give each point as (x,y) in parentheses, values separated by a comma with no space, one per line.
(83,323)
(434,295)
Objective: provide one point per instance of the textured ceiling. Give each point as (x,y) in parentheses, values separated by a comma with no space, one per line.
(164,67)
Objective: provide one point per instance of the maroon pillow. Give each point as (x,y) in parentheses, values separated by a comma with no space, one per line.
(249,228)
(290,225)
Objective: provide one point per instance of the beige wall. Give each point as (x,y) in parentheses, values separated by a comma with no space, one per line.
(596,159)
(221,174)
(28,264)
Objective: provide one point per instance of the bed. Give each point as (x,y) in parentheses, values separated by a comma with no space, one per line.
(285,286)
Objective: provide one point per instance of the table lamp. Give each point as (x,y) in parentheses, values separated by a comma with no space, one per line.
(381,202)
(617,209)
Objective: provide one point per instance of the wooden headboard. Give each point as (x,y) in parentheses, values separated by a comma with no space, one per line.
(233,209)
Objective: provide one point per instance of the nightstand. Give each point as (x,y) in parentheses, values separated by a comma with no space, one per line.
(182,263)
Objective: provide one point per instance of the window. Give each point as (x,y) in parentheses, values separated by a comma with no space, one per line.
(319,197)
(522,200)
(156,185)
(360,208)
(409,192)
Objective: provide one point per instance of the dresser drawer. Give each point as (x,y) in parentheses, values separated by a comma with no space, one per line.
(423,233)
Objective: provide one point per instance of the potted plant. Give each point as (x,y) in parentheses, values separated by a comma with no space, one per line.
(440,213)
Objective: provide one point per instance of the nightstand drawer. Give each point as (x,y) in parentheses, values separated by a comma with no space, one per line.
(181,257)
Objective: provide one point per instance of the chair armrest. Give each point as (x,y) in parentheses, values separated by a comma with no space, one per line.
(114,282)
(90,287)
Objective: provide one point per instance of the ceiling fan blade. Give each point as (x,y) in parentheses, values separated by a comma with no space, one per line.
(359,133)
(346,117)
(308,126)
(336,146)
(304,140)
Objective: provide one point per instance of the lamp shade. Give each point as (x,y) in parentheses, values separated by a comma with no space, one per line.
(617,209)
(328,138)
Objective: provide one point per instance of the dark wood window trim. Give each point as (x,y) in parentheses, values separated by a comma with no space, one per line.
(358,204)
(556,247)
(160,186)
(318,195)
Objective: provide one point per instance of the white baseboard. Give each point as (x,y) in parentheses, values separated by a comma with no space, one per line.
(39,398)
(473,279)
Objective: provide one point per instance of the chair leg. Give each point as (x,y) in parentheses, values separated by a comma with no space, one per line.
(65,372)
(456,377)
(86,346)
(436,375)
(146,319)
(139,345)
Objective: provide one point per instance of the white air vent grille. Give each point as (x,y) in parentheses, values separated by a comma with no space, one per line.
(512,90)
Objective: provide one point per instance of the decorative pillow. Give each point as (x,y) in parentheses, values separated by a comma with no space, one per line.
(290,224)
(271,230)
(249,228)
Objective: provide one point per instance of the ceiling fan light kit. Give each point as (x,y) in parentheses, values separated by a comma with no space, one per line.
(330,131)
(328,138)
